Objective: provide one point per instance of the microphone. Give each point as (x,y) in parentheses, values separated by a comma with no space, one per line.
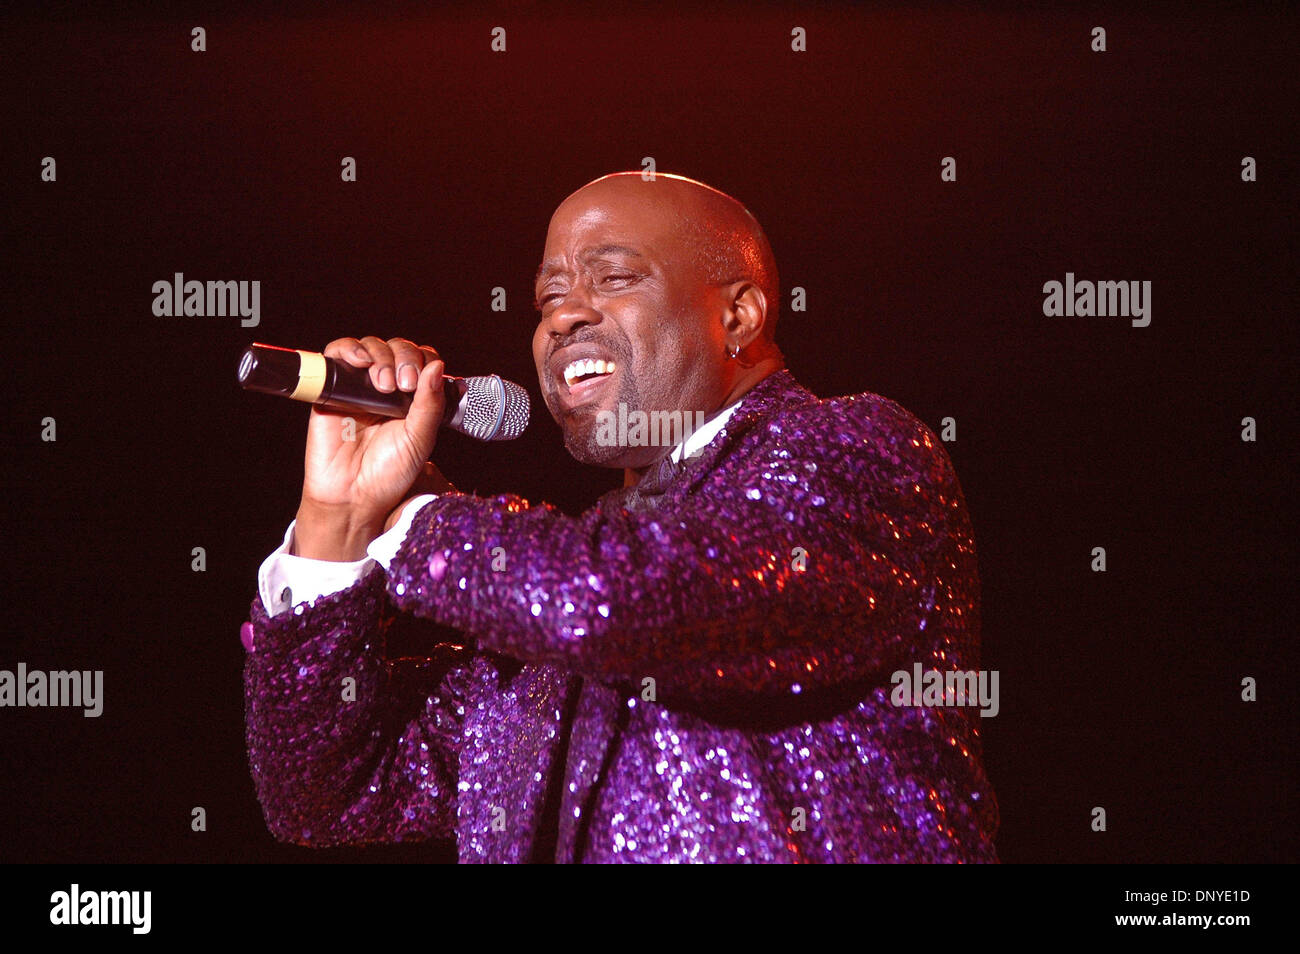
(487,408)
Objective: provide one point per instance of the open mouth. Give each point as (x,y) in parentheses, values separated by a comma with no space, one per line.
(587,370)
(579,373)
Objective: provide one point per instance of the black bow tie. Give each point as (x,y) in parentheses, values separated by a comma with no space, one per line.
(648,492)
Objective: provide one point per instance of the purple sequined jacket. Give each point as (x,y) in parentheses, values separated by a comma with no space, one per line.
(698,676)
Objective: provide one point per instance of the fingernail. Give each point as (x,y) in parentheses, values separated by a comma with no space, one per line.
(386,379)
(408,377)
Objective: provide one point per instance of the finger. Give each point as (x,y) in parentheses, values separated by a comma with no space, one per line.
(349,350)
(428,354)
(382,374)
(408,360)
(425,414)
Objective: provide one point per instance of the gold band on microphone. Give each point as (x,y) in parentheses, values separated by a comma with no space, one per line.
(311,377)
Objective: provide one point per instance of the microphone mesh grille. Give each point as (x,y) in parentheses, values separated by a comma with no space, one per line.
(495,410)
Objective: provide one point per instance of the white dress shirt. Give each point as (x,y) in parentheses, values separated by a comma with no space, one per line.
(285,579)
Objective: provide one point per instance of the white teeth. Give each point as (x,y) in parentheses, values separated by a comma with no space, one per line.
(587,366)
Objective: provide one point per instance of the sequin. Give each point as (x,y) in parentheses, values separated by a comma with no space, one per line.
(769,736)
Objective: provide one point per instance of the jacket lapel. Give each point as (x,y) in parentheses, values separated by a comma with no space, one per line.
(602,711)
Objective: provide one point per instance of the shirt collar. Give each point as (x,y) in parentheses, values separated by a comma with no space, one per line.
(696,441)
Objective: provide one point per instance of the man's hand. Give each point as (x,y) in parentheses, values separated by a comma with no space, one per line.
(350,487)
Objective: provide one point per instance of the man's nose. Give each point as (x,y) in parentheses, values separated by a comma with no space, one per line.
(571,313)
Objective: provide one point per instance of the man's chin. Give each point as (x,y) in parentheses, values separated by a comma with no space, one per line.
(581,430)
(580,441)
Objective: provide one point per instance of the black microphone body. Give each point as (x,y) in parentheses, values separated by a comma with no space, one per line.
(487,407)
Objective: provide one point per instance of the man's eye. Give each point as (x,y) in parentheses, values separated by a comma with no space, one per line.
(617,277)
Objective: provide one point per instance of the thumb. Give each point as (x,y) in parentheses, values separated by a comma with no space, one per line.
(425,414)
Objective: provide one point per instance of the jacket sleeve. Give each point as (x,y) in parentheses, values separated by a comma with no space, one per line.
(345,746)
(808,556)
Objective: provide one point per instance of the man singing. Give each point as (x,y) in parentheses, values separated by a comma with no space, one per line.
(698,668)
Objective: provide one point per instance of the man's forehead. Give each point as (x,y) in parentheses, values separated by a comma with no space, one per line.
(589,228)
(617,213)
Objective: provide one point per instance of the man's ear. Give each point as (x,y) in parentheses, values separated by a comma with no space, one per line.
(744,313)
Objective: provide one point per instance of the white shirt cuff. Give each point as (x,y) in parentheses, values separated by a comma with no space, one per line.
(284,579)
(384,547)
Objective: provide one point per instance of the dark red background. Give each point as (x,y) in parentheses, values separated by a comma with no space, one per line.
(1118,689)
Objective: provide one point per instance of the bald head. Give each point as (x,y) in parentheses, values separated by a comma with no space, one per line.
(723,240)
